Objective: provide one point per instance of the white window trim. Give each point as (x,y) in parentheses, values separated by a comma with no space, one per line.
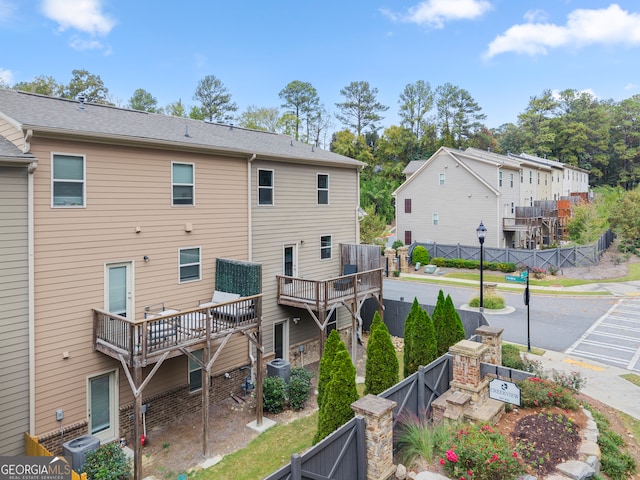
(441,179)
(330,248)
(318,189)
(84,179)
(180,281)
(500,175)
(114,401)
(435,219)
(192,185)
(273,187)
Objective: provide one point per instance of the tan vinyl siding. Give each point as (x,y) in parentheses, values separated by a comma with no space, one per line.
(11,133)
(125,188)
(14,304)
(296,217)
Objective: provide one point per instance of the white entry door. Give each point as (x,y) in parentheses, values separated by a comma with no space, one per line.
(118,297)
(103,406)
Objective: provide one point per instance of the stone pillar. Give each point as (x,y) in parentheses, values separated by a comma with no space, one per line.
(378,418)
(403,258)
(467,356)
(492,338)
(390,256)
(489,289)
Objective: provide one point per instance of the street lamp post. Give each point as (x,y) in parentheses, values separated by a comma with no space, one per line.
(482,233)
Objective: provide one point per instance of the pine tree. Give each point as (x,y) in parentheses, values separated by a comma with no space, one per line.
(382,362)
(425,344)
(439,324)
(339,395)
(408,336)
(331,346)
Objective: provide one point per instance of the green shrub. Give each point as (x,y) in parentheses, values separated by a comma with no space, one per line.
(511,357)
(536,392)
(506,267)
(420,438)
(298,391)
(478,452)
(108,462)
(331,346)
(340,393)
(420,255)
(397,244)
(490,302)
(382,362)
(409,323)
(274,392)
(302,373)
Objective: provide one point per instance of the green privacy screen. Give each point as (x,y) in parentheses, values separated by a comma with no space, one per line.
(235,276)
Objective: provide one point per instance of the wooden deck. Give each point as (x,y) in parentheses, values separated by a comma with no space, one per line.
(141,342)
(321,295)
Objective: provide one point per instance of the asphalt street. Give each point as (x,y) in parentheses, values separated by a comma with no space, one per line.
(556,322)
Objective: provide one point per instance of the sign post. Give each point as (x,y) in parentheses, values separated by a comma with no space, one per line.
(526,302)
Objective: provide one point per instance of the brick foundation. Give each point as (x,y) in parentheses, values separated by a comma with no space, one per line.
(53,441)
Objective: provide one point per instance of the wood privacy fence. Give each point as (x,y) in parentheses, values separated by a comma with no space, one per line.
(32,448)
(553,257)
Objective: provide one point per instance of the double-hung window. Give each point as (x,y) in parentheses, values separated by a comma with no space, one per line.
(182,184)
(407,205)
(435,218)
(189,264)
(500,178)
(441,179)
(323,189)
(265,187)
(511,181)
(68,180)
(325,246)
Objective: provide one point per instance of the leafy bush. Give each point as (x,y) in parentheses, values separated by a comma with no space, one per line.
(301,372)
(506,267)
(274,392)
(397,244)
(511,357)
(298,391)
(108,462)
(420,255)
(478,452)
(537,392)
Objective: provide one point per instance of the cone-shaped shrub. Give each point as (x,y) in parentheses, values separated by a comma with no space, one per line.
(382,363)
(340,393)
(408,327)
(439,324)
(331,346)
(424,342)
(454,323)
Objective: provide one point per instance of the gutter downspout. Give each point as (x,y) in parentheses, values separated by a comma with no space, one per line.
(252,357)
(31,289)
(249,215)
(357,232)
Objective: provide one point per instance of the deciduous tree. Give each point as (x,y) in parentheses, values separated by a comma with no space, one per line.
(43,85)
(88,85)
(143,100)
(260,118)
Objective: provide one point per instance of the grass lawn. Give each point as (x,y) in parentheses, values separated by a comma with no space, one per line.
(633,378)
(265,454)
(523,348)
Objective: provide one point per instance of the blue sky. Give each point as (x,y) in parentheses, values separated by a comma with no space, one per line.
(501,51)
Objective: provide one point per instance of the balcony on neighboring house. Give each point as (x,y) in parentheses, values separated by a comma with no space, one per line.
(169,332)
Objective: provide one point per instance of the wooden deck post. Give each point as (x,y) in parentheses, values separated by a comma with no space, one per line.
(206,382)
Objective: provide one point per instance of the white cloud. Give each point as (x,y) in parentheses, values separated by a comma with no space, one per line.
(535,16)
(435,13)
(83,15)
(584,27)
(6,76)
(81,44)
(630,86)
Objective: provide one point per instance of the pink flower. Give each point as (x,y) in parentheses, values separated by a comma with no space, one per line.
(470,473)
(452,456)
(515,454)
(442,461)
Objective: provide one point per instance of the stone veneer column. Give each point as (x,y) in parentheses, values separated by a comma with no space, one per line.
(492,338)
(467,356)
(403,259)
(390,255)
(378,418)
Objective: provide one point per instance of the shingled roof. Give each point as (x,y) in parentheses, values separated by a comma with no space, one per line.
(64,117)
(9,153)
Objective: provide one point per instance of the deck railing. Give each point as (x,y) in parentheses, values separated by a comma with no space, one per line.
(332,289)
(150,337)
